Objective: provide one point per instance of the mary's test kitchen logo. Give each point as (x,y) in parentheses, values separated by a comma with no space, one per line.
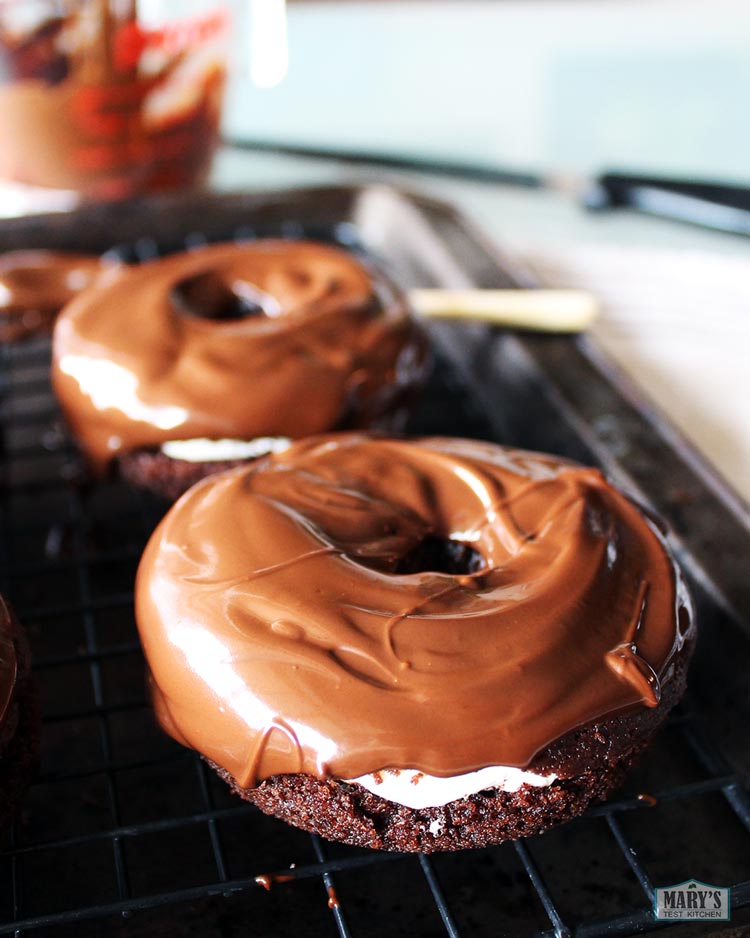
(692,900)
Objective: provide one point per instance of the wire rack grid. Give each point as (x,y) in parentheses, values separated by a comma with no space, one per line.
(121,820)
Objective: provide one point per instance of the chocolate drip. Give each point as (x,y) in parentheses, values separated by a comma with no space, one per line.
(277,725)
(626,663)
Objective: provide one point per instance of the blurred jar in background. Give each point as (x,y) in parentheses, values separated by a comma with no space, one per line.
(110,97)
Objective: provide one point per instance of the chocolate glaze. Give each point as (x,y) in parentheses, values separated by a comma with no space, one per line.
(647,799)
(267,880)
(138,360)
(281,640)
(35,285)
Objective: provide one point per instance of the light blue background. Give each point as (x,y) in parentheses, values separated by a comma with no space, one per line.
(570,86)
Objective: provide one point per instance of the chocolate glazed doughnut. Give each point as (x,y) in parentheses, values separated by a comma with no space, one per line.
(413,645)
(35,285)
(190,363)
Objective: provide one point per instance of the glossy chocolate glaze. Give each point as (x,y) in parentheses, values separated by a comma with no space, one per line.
(281,638)
(8,663)
(326,344)
(35,285)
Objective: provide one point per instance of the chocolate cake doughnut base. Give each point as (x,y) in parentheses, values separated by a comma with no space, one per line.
(591,762)
(167,477)
(353,815)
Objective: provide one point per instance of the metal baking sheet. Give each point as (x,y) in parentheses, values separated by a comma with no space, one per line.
(126,833)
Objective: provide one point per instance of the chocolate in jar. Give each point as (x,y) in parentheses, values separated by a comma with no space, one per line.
(92,100)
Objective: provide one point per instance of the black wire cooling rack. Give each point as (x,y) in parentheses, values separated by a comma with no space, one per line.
(124,832)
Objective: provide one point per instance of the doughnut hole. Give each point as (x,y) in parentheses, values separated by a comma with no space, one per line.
(208,295)
(435,554)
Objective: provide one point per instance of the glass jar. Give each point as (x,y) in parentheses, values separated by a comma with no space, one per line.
(110,98)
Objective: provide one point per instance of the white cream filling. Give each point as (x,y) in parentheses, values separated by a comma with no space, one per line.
(203,450)
(414,789)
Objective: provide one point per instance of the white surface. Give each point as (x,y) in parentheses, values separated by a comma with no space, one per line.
(678,323)
(417,790)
